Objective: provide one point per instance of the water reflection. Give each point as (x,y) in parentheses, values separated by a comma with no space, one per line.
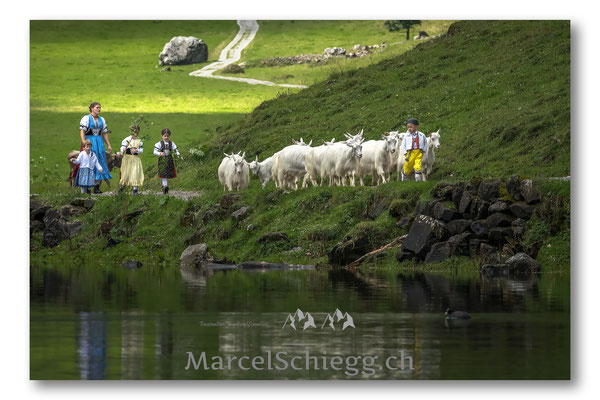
(92,345)
(141,324)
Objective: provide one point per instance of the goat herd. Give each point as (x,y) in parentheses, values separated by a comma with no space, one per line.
(336,161)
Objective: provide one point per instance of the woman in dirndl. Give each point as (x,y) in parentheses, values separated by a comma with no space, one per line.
(93,127)
(132,171)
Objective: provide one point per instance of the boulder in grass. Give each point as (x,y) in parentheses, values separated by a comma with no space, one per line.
(521,210)
(489,190)
(497,220)
(195,254)
(183,50)
(513,186)
(499,235)
(529,192)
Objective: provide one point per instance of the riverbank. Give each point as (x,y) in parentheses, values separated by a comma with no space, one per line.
(301,227)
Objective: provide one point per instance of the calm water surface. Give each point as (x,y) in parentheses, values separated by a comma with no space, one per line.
(91,322)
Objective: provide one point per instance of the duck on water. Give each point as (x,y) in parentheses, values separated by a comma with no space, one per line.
(451,314)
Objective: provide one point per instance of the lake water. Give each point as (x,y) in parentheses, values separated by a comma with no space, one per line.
(92,322)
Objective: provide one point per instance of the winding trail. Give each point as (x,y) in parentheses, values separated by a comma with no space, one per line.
(233,53)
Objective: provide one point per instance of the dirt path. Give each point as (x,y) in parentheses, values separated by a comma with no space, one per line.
(180,194)
(233,53)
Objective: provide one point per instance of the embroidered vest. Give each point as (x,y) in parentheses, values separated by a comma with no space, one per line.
(93,127)
(415,141)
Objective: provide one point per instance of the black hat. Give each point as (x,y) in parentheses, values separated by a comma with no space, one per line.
(412,121)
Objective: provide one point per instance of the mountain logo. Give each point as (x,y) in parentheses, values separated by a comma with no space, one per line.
(336,318)
(299,316)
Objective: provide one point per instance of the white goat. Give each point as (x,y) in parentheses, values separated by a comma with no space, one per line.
(313,161)
(429,156)
(262,169)
(341,161)
(378,159)
(288,165)
(234,173)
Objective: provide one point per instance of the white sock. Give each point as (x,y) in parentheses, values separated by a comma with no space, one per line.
(82,190)
(165,182)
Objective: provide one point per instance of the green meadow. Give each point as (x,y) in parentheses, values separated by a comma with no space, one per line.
(499,91)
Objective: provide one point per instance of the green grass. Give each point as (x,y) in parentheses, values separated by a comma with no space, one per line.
(291,38)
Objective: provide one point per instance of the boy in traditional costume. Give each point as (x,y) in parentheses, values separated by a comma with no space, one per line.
(414,146)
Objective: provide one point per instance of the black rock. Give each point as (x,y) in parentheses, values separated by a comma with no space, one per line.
(426,208)
(498,206)
(489,190)
(458,226)
(376,209)
(529,192)
(518,228)
(272,237)
(490,255)
(438,253)
(132,264)
(55,231)
(38,213)
(513,186)
(465,202)
(459,244)
(480,229)
(50,216)
(521,210)
(521,263)
(423,233)
(498,235)
(443,213)
(479,208)
(499,220)
(35,226)
(457,193)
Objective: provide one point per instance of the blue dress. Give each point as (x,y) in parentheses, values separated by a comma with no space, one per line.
(93,133)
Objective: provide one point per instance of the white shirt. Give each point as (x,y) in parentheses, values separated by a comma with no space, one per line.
(88,161)
(133,143)
(85,124)
(157,148)
(407,142)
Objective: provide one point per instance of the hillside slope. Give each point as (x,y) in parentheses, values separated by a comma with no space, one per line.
(499,90)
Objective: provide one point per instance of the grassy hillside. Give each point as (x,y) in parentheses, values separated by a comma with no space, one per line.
(500,91)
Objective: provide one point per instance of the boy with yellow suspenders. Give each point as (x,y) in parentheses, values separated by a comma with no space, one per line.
(414,146)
